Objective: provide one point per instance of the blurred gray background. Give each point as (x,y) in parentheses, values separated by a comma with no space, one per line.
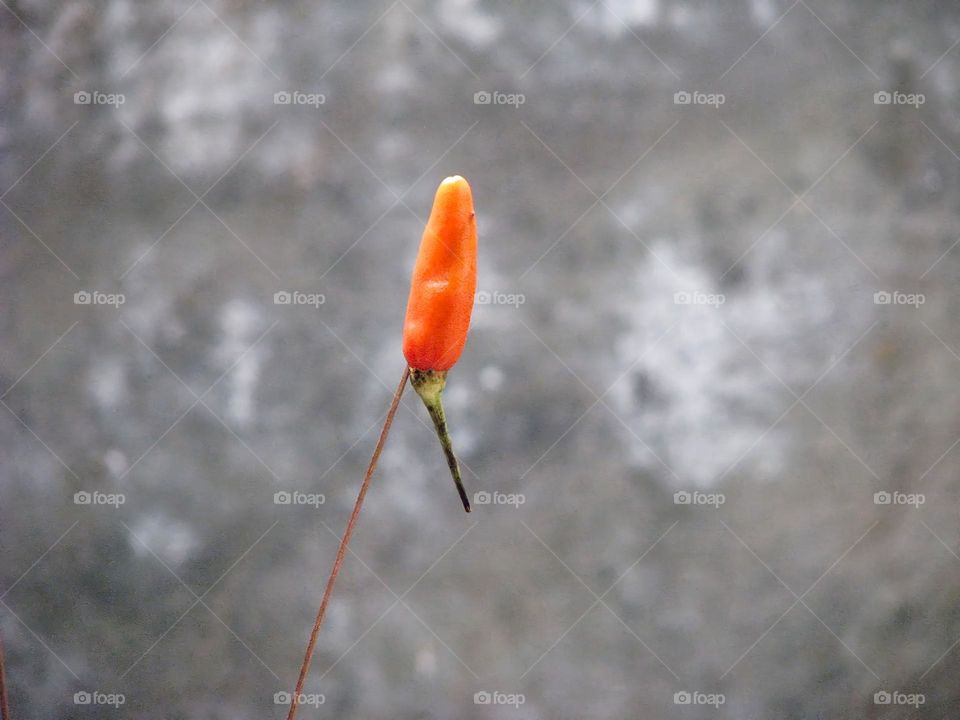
(748,300)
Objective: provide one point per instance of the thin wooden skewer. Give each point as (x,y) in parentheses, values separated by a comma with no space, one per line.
(342,551)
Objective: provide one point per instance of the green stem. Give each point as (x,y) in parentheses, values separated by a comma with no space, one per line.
(429,385)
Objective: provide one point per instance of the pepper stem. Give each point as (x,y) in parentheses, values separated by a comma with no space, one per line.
(4,703)
(341,551)
(429,385)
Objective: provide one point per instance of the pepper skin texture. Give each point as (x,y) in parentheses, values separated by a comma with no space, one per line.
(444,281)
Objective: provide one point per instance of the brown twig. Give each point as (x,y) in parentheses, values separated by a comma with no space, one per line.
(342,550)
(4,703)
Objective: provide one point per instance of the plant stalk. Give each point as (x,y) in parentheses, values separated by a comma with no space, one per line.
(4,701)
(342,550)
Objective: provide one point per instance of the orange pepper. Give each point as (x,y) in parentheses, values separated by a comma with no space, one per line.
(440,304)
(434,333)
(444,281)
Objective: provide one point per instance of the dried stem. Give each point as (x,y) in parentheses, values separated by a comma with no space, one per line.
(4,703)
(342,550)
